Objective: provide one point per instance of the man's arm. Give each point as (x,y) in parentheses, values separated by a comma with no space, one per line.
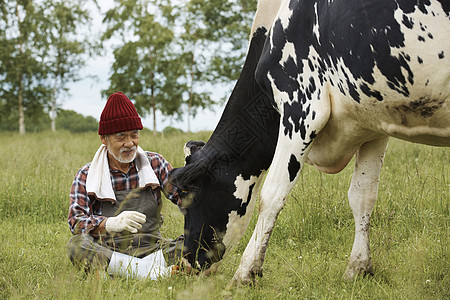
(81,217)
(162,168)
(100,229)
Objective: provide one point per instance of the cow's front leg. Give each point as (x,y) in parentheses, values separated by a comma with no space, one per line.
(362,196)
(297,130)
(272,199)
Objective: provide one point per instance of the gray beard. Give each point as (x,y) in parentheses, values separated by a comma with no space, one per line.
(121,160)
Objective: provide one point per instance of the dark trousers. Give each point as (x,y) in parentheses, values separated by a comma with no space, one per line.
(88,252)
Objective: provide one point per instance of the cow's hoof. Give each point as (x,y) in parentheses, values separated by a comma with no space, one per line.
(358,269)
(213,269)
(246,278)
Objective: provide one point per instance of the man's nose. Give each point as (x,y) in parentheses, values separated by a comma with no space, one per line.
(129,143)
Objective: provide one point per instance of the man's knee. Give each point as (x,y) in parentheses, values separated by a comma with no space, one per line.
(86,253)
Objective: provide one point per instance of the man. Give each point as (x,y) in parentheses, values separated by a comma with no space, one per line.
(115,201)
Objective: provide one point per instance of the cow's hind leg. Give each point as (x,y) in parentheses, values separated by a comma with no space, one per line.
(362,196)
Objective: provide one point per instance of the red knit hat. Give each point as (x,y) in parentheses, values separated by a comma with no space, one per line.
(118,115)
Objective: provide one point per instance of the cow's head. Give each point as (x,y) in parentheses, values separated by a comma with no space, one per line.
(211,199)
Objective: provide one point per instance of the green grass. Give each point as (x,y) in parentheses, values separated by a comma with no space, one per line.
(308,251)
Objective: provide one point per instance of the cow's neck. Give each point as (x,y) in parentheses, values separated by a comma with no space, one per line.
(248,129)
(243,143)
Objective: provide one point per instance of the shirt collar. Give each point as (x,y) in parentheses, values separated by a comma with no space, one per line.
(130,167)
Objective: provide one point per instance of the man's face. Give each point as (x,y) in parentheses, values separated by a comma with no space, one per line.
(123,145)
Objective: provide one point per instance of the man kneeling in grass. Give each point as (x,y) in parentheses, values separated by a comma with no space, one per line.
(115,201)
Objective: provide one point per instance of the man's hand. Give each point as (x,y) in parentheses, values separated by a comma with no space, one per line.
(126,220)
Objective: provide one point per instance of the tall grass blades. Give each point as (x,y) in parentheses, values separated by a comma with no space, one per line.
(308,251)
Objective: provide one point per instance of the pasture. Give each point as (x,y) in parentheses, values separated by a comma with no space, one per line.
(308,251)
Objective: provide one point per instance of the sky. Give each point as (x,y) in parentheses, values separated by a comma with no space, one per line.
(85,95)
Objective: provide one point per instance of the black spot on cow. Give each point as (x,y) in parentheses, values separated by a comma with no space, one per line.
(406,56)
(293,167)
(410,6)
(420,60)
(375,94)
(311,66)
(352,90)
(423,8)
(294,118)
(445,6)
(424,107)
(290,68)
(441,55)
(421,38)
(312,85)
(407,22)
(243,209)
(341,89)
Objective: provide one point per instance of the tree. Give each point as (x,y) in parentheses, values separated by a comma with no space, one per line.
(145,67)
(65,49)
(40,53)
(225,28)
(213,40)
(194,58)
(22,72)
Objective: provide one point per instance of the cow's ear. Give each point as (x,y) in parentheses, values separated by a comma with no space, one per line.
(190,148)
(187,176)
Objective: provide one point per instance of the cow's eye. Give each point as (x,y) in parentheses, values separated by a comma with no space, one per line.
(189,197)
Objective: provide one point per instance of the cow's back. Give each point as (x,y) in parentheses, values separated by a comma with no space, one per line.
(384,67)
(395,78)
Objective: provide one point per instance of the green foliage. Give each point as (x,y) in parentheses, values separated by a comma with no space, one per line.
(171,130)
(225,25)
(75,122)
(145,66)
(36,119)
(39,56)
(66,53)
(171,55)
(23,74)
(307,253)
(214,40)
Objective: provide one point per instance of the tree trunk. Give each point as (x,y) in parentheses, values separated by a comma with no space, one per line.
(53,108)
(20,92)
(152,99)
(154,118)
(191,94)
(21,112)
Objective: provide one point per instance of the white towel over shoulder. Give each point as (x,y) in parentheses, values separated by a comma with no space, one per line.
(98,181)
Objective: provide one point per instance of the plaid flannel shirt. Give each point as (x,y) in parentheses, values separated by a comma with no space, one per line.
(85,213)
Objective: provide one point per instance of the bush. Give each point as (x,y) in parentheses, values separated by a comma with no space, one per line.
(171,130)
(75,122)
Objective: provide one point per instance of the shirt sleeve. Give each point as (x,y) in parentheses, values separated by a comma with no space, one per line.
(162,168)
(81,217)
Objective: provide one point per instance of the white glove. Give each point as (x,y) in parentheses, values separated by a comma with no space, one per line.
(126,220)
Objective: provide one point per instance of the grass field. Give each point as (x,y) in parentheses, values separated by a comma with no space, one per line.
(308,251)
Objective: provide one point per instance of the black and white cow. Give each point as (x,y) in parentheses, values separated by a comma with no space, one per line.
(323,80)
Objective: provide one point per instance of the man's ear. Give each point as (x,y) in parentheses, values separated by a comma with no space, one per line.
(104,140)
